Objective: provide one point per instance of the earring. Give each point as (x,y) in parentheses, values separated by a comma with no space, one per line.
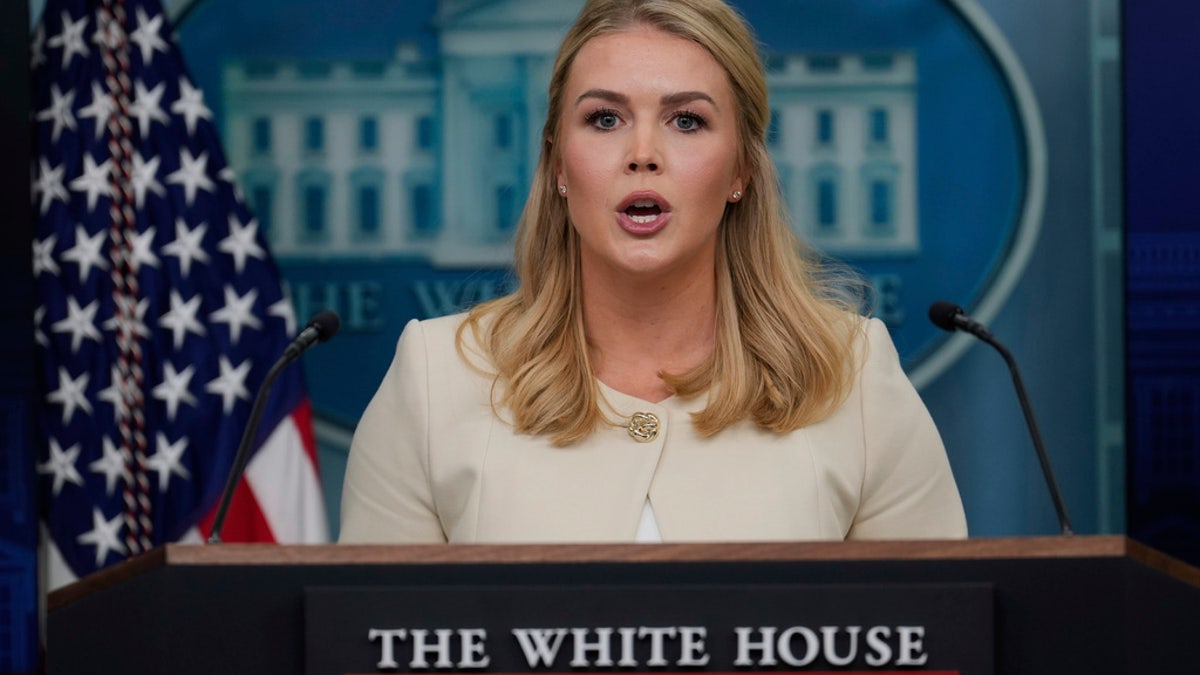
(562,189)
(737,194)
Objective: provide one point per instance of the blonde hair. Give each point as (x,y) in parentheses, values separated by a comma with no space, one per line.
(785,322)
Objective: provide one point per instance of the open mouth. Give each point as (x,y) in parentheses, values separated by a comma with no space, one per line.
(643,211)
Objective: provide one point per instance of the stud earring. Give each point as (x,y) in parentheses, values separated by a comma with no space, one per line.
(562,189)
(737,194)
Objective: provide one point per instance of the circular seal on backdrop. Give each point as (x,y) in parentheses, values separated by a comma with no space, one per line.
(978,162)
(907,137)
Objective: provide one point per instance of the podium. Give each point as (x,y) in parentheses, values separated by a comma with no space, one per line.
(1092,605)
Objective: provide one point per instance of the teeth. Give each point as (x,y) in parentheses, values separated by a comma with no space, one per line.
(645,203)
(642,220)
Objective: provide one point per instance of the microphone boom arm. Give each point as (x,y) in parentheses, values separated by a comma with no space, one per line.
(950,317)
(1051,484)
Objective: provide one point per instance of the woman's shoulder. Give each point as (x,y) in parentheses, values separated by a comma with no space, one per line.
(425,340)
(859,336)
(864,346)
(445,340)
(437,328)
(873,340)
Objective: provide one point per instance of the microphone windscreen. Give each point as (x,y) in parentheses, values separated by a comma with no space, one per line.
(942,314)
(326,323)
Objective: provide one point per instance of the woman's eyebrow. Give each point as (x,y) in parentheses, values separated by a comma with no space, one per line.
(687,97)
(677,98)
(604,95)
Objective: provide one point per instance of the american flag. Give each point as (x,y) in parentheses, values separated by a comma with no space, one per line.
(159,308)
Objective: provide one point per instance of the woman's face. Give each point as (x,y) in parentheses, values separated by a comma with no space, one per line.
(648,149)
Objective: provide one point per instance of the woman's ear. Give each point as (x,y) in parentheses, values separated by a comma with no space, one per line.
(743,172)
(738,187)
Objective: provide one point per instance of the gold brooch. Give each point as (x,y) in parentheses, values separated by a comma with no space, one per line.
(643,427)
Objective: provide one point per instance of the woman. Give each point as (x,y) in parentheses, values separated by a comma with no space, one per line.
(670,367)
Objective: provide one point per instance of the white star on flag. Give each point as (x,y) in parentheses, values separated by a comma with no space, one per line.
(62,466)
(188,246)
(115,394)
(230,176)
(190,105)
(142,246)
(145,178)
(181,319)
(237,312)
(111,464)
(86,252)
(109,32)
(50,184)
(284,310)
(230,384)
(173,390)
(59,112)
(130,319)
(166,460)
(70,394)
(147,106)
(80,323)
(43,256)
(103,535)
(39,336)
(96,180)
(101,108)
(146,36)
(241,242)
(70,39)
(191,175)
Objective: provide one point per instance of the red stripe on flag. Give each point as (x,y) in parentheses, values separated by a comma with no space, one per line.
(244,521)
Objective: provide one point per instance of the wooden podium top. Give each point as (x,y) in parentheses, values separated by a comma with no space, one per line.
(1110,546)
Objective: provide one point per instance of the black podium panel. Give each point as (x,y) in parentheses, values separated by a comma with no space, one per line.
(1049,613)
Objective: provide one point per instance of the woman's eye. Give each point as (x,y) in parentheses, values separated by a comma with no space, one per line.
(604,119)
(688,122)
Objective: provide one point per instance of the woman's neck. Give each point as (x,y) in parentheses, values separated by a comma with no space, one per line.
(637,328)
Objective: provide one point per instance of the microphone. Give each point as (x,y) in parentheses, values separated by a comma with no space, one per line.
(950,317)
(320,328)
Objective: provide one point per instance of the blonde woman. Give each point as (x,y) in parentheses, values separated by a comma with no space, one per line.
(673,366)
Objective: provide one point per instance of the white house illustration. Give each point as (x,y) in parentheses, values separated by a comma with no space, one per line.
(843,135)
(430,156)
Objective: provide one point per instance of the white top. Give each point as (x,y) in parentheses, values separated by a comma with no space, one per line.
(647,532)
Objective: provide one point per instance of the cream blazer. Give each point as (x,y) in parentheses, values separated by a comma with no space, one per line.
(430,462)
